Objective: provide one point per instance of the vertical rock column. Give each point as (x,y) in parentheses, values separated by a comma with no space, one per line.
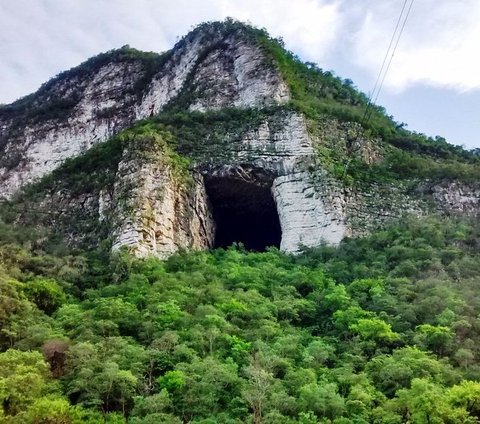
(156,213)
(307,215)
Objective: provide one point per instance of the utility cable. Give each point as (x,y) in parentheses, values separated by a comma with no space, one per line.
(372,93)
(393,53)
(369,109)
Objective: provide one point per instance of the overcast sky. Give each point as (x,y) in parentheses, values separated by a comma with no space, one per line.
(433,84)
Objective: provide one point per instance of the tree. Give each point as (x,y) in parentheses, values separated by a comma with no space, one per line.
(24,377)
(426,403)
(56,410)
(47,294)
(322,399)
(257,390)
(466,395)
(392,372)
(434,337)
(374,329)
(210,387)
(105,375)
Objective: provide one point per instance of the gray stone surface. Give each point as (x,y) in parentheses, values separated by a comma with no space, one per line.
(150,211)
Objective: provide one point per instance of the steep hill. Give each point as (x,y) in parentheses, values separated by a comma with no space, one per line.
(227,137)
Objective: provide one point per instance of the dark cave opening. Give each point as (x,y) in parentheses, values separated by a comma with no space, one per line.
(244,212)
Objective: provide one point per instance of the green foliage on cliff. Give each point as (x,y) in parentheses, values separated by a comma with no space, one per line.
(213,137)
(316,93)
(376,330)
(394,166)
(65,202)
(319,94)
(172,137)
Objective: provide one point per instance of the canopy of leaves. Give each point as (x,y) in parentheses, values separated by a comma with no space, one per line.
(380,328)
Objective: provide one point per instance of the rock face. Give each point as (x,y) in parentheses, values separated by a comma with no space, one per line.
(155,214)
(284,150)
(453,197)
(220,71)
(261,184)
(99,105)
(163,215)
(94,101)
(308,217)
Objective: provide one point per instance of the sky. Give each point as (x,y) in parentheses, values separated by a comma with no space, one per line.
(433,84)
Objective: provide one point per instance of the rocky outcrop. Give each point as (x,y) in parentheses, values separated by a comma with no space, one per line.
(155,213)
(210,69)
(456,198)
(215,71)
(269,173)
(309,215)
(38,145)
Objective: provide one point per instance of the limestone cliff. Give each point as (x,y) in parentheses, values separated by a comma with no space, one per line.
(224,138)
(96,100)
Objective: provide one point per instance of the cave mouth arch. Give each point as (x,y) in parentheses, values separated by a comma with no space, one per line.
(244,212)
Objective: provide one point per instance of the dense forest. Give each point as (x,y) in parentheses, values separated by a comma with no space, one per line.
(381,329)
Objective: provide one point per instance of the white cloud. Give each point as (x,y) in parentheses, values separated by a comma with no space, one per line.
(309,27)
(439,46)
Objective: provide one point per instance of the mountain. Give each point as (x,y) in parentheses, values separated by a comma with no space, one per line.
(225,138)
(230,138)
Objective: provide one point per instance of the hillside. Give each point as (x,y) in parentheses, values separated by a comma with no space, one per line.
(378,330)
(158,152)
(223,234)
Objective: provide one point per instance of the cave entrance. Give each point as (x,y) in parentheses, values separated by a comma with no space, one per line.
(244,212)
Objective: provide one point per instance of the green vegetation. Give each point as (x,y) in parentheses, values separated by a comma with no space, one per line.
(61,201)
(382,329)
(319,94)
(316,93)
(395,166)
(213,137)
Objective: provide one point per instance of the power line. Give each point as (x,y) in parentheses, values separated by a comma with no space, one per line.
(369,110)
(372,93)
(393,53)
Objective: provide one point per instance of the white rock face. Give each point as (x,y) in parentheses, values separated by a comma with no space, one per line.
(224,72)
(454,197)
(283,149)
(147,208)
(170,79)
(45,145)
(307,217)
(167,217)
(237,74)
(157,215)
(308,214)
